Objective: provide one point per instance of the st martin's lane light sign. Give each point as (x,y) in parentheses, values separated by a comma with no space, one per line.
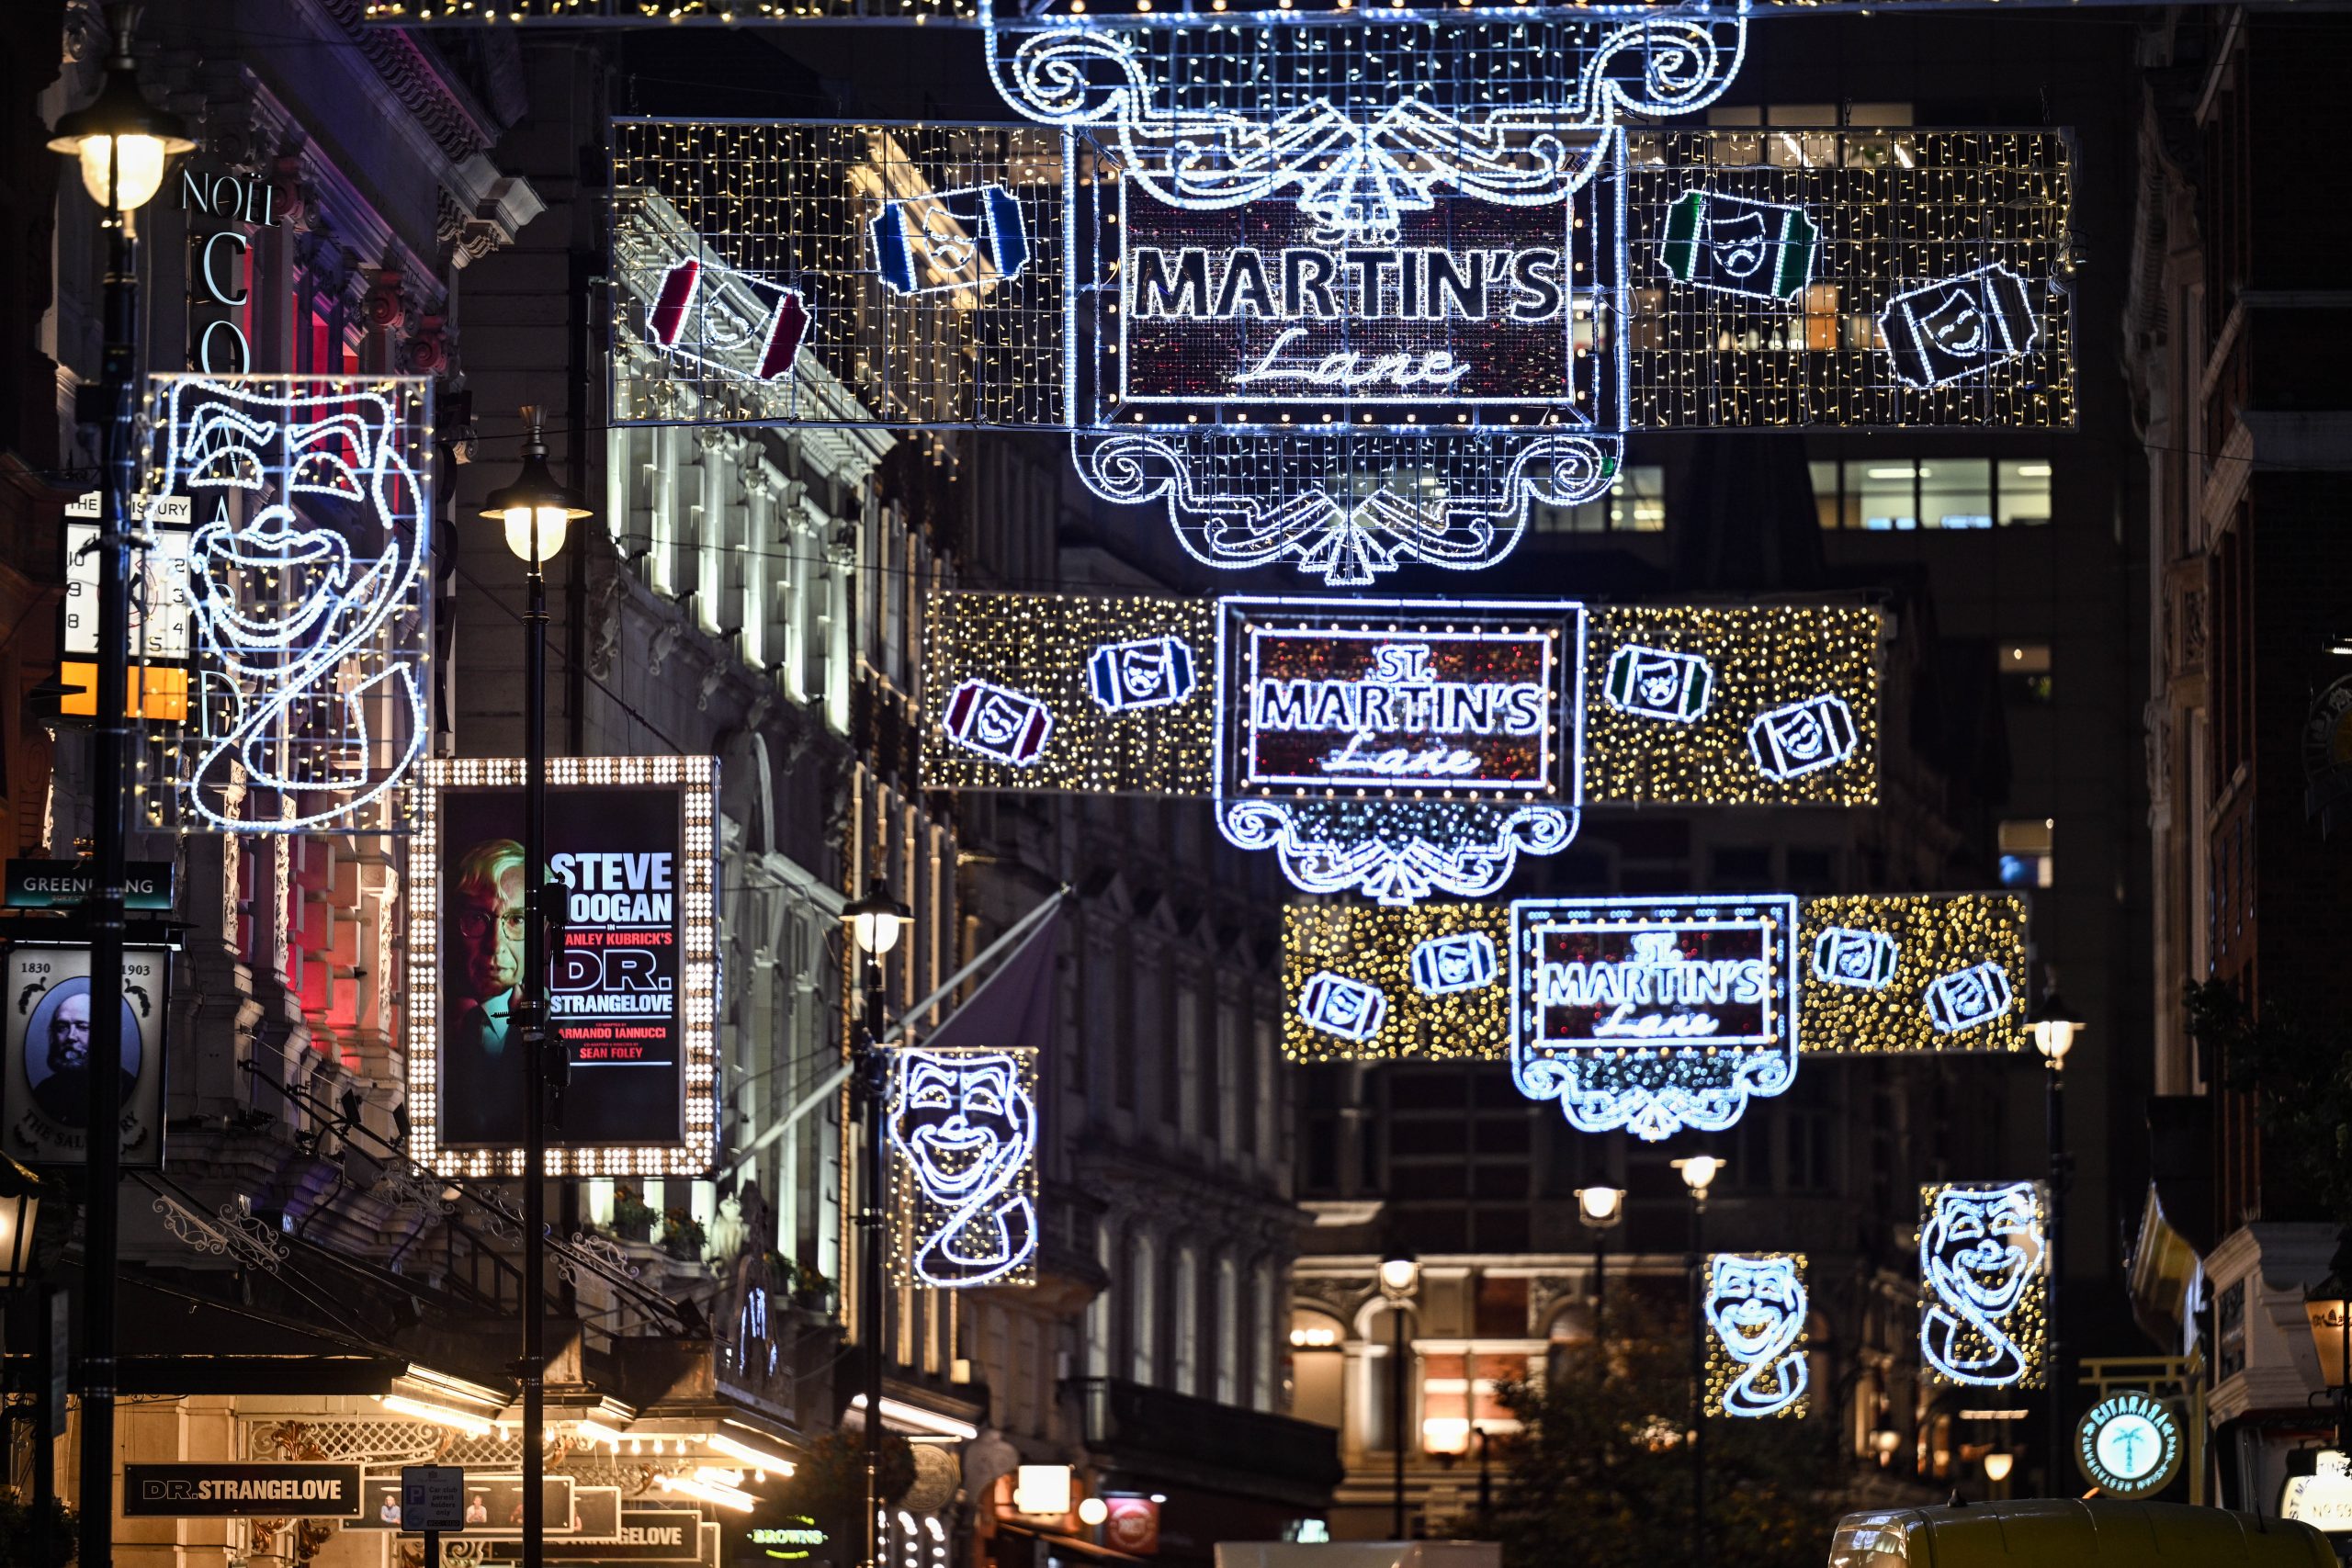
(1401,748)
(1353,328)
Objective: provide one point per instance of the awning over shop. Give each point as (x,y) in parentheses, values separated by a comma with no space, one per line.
(179,1341)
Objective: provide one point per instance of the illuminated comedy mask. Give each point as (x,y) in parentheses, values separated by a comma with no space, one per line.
(962,1123)
(1982,1258)
(306,587)
(1757,1307)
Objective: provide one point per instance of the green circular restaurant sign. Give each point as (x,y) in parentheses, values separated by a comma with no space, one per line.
(2128,1445)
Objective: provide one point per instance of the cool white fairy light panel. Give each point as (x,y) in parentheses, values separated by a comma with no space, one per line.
(1654,1015)
(1983,1284)
(307,605)
(1757,1310)
(963,1129)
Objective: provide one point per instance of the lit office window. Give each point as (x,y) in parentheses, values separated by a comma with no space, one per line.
(2026,859)
(1636,504)
(1901,494)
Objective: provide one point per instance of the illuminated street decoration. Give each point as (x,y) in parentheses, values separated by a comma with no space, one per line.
(1983,1283)
(1802,737)
(1757,1310)
(1654,1015)
(1655,683)
(727,322)
(1968,998)
(1865,982)
(1464,962)
(307,605)
(949,14)
(1298,289)
(1152,674)
(633,978)
(1737,245)
(1863,960)
(963,1130)
(1961,326)
(1337,1005)
(1396,748)
(1001,725)
(1399,747)
(955,239)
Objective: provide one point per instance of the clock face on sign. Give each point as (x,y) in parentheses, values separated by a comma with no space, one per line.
(2129,1444)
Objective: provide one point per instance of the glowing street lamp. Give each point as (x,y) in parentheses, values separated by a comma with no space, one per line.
(123,142)
(875,920)
(1699,1173)
(2053,1027)
(1399,1272)
(1601,1209)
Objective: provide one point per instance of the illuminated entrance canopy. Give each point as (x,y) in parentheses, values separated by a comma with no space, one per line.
(1401,748)
(1874,975)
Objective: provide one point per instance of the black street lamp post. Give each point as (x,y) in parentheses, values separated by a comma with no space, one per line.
(1699,1173)
(1601,1209)
(123,145)
(536,511)
(2054,1029)
(1399,1274)
(874,922)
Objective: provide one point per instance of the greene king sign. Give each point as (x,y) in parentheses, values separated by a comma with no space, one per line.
(1333,698)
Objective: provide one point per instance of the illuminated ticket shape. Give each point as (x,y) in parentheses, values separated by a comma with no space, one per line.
(1735,245)
(1654,1016)
(1960,326)
(968,239)
(1876,976)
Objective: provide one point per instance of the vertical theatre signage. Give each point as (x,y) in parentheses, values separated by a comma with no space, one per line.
(1654,1015)
(46,1096)
(1983,1284)
(633,971)
(158,613)
(963,1130)
(308,609)
(1398,746)
(219,266)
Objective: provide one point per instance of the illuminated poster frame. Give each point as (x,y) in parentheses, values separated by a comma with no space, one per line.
(691,920)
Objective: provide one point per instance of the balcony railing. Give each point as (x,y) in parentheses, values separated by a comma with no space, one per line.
(1200,1443)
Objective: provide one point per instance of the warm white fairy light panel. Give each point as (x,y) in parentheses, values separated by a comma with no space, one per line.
(307,605)
(1877,975)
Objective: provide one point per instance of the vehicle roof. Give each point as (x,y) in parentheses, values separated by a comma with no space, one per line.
(2065,1532)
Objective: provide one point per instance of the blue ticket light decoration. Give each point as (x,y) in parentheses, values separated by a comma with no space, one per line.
(1874,976)
(955,239)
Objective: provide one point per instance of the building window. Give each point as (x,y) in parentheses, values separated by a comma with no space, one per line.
(1636,504)
(1317,1368)
(2026,859)
(1143,1281)
(1187,1325)
(1459,1392)
(2025,672)
(1901,494)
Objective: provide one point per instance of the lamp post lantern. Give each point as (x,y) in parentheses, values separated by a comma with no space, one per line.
(123,145)
(875,921)
(536,511)
(1399,1272)
(1699,1173)
(2053,1028)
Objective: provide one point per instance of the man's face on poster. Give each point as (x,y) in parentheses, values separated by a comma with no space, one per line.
(69,1034)
(490,929)
(961,1121)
